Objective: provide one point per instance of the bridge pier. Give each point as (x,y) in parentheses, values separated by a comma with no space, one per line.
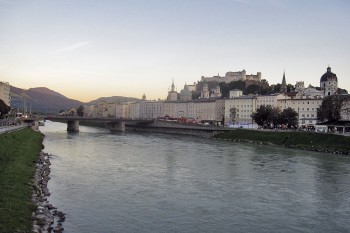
(73,126)
(35,125)
(117,127)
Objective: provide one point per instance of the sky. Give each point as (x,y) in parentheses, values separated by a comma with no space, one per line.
(86,49)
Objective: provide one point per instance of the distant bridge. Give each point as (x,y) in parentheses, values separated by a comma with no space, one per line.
(116,124)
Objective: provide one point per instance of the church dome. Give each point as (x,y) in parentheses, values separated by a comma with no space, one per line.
(186,91)
(328,76)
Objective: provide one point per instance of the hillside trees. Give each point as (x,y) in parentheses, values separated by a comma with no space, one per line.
(253,89)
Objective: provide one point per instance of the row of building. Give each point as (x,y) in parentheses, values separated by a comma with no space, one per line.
(211,106)
(235,110)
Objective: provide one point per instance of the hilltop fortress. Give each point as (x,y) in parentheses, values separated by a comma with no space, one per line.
(233,76)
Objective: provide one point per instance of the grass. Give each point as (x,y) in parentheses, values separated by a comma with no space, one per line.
(18,150)
(304,140)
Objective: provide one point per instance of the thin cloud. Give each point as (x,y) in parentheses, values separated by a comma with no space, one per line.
(74,46)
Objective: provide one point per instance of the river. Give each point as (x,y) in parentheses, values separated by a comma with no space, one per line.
(149,182)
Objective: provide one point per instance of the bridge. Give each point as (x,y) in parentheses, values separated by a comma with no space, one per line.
(115,124)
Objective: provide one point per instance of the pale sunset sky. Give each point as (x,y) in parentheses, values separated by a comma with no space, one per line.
(86,49)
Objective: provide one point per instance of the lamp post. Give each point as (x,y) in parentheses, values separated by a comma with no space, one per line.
(298,117)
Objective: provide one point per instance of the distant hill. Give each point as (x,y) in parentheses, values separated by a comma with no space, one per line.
(113,99)
(40,100)
(44,100)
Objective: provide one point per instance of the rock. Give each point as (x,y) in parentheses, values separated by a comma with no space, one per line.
(58,229)
(36,228)
(43,218)
(37,212)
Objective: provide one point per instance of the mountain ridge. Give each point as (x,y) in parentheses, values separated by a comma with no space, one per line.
(117,99)
(44,100)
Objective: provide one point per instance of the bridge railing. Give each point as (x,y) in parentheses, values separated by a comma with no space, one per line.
(106,119)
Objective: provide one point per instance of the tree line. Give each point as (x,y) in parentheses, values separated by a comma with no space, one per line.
(332,108)
(268,116)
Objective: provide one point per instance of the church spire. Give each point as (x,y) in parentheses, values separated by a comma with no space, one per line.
(284,83)
(173,86)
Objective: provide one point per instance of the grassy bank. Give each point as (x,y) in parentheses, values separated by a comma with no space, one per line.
(18,150)
(301,140)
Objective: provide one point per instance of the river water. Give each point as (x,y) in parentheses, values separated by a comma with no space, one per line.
(147,182)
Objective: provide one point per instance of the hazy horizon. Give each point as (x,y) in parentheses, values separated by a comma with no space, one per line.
(88,49)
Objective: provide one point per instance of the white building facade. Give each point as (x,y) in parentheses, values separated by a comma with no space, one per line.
(151,109)
(239,109)
(306,109)
(269,99)
(5,92)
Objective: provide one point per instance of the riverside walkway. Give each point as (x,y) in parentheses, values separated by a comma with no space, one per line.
(11,128)
(180,128)
(164,124)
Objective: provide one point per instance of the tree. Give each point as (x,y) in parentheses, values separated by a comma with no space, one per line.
(290,88)
(233,114)
(196,95)
(273,116)
(80,111)
(4,108)
(266,116)
(289,117)
(330,108)
(226,87)
(253,89)
(276,88)
(342,91)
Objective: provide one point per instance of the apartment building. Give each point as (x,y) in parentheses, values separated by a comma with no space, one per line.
(240,109)
(305,107)
(151,109)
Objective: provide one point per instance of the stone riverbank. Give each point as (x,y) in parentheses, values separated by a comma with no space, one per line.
(46,218)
